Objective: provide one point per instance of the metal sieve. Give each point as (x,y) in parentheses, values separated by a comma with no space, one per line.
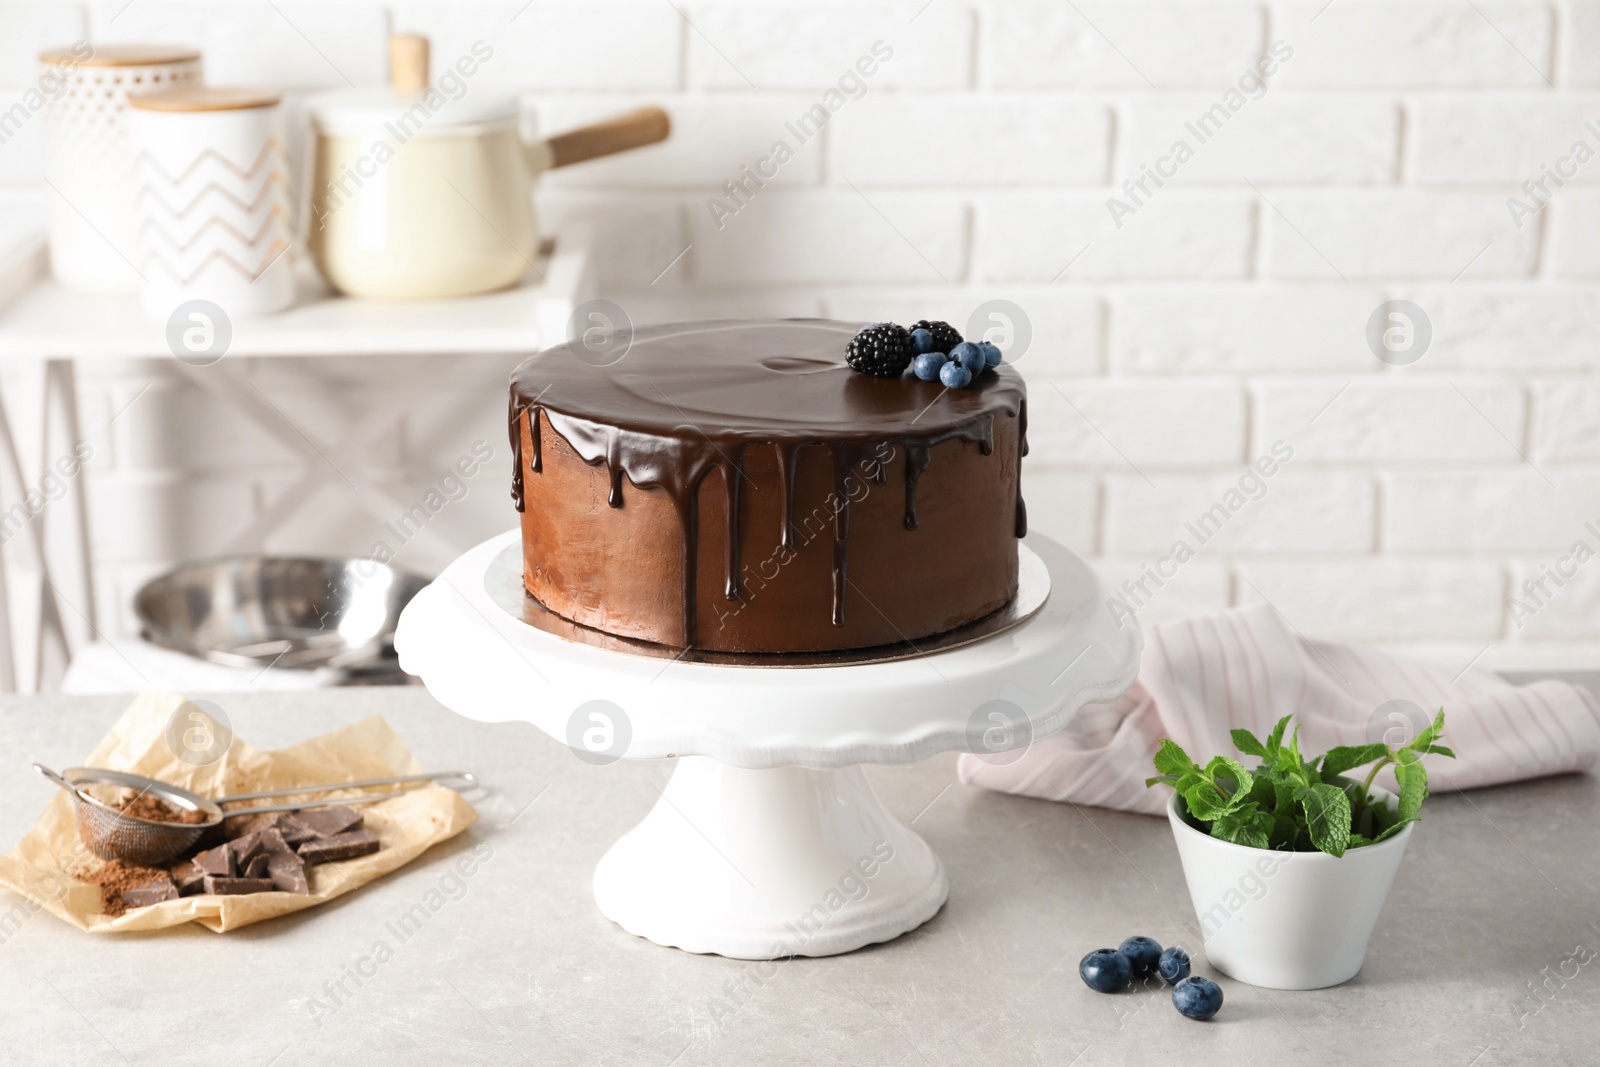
(112,834)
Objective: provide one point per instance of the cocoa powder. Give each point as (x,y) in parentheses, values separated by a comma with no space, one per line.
(153,808)
(114,876)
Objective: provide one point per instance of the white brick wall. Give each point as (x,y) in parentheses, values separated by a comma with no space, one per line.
(1227,311)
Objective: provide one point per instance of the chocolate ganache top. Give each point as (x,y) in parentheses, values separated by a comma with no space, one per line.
(689,397)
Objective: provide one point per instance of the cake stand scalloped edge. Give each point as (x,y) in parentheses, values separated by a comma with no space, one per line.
(755,848)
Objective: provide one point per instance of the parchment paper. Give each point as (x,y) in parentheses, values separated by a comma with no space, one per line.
(42,865)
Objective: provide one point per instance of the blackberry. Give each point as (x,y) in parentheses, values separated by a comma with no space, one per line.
(945,336)
(882,350)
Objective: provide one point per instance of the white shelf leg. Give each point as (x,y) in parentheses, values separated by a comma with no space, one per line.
(762,864)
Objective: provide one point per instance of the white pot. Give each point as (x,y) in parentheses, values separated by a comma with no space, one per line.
(1286,920)
(424,193)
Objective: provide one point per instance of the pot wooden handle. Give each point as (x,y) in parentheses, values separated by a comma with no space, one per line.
(635,129)
(408,62)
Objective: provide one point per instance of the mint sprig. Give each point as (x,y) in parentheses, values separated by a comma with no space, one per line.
(1289,802)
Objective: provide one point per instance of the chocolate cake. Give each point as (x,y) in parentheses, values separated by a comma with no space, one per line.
(734,486)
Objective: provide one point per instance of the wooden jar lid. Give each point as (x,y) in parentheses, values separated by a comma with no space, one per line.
(204,99)
(122,55)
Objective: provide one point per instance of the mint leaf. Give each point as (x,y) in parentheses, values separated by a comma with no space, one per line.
(1170,759)
(1327,811)
(1341,759)
(1429,734)
(1275,739)
(1206,796)
(1206,802)
(1396,828)
(1224,767)
(1261,791)
(1246,742)
(1292,803)
(1413,779)
(1249,826)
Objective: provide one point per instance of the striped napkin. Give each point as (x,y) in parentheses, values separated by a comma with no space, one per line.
(1203,676)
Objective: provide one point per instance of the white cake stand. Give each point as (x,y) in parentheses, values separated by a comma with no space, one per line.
(768,841)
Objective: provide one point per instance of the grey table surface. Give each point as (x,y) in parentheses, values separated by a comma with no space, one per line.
(1474,961)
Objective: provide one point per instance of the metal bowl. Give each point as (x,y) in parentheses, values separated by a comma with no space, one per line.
(264,611)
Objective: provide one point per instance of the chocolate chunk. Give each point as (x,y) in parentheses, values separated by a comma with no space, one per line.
(272,841)
(288,872)
(190,878)
(339,847)
(257,867)
(216,861)
(293,833)
(232,887)
(253,824)
(244,849)
(328,822)
(154,893)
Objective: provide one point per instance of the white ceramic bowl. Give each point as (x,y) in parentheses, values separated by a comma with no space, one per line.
(1286,920)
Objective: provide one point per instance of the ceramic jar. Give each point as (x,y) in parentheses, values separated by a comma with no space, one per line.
(88,157)
(211,201)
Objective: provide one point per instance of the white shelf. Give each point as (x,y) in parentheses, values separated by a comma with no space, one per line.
(43,323)
(41,319)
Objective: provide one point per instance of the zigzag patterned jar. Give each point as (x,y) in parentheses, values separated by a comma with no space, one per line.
(84,94)
(211,206)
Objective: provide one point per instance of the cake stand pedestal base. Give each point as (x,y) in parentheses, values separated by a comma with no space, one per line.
(763,864)
(768,841)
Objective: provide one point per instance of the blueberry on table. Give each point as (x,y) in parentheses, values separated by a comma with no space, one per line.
(1105,970)
(921,341)
(928,365)
(955,375)
(1143,954)
(1197,998)
(1173,965)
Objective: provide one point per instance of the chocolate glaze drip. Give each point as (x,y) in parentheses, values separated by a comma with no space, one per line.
(691,397)
(731,486)
(841,526)
(916,462)
(1022,450)
(788,457)
(519,407)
